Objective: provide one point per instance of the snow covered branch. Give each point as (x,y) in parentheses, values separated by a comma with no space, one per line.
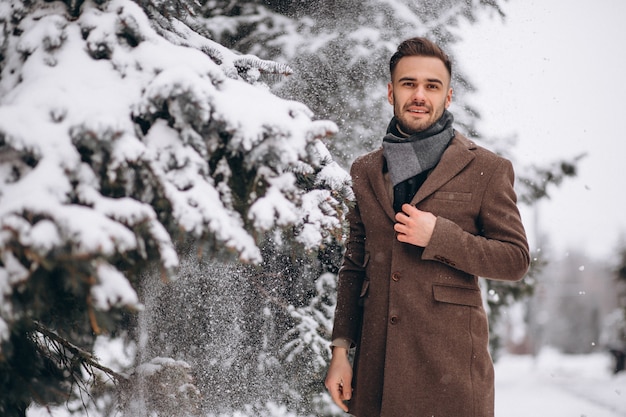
(124,136)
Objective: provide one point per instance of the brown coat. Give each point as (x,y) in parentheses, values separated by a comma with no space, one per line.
(422,349)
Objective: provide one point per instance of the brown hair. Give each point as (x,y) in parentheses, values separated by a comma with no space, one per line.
(419,47)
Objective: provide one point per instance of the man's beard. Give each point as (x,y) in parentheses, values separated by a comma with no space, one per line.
(410,127)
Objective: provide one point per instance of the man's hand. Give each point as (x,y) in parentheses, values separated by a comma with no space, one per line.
(414,226)
(339,377)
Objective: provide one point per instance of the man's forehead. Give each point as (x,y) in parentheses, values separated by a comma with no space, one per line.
(421,67)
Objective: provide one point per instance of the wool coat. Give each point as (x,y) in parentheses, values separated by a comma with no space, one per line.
(416,314)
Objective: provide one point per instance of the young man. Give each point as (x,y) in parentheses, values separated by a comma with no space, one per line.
(433,212)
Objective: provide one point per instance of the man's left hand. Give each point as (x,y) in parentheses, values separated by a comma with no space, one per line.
(414,226)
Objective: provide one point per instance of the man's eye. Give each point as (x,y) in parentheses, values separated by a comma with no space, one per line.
(433,86)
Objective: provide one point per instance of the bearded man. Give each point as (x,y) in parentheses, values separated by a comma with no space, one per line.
(433,212)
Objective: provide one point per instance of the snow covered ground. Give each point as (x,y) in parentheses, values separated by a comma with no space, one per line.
(557,385)
(548,385)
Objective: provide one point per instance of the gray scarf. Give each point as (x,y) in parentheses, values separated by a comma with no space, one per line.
(410,156)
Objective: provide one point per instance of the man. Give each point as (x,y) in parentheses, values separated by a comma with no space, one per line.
(433,212)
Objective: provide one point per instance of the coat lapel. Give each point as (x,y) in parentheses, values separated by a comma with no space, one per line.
(379,186)
(453,160)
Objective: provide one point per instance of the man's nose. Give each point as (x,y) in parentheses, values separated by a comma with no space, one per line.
(419,94)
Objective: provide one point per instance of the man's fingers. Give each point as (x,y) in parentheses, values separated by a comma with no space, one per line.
(414,226)
(347,392)
(339,378)
(409,209)
(338,394)
(407,212)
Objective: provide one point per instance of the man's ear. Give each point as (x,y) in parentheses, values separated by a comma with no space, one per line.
(390,93)
(449,98)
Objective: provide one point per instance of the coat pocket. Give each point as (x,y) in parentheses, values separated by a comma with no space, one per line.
(458,295)
(452,196)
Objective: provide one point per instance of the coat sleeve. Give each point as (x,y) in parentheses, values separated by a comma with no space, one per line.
(351,281)
(500,249)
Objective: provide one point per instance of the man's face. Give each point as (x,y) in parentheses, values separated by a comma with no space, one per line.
(419,92)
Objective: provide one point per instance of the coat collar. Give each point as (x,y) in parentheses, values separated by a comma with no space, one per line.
(454,159)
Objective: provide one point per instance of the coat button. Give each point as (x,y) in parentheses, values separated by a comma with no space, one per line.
(395,276)
(394,319)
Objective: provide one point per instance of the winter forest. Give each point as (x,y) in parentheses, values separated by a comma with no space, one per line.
(173,191)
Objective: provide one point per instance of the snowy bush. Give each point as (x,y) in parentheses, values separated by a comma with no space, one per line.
(122,137)
(164,383)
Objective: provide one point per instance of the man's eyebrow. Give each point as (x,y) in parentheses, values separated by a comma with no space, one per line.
(430,80)
(434,80)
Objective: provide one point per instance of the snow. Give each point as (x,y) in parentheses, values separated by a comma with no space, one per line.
(157,364)
(73,94)
(557,385)
(113,289)
(550,384)
(274,207)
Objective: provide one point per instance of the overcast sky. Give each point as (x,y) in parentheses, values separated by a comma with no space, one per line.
(553,73)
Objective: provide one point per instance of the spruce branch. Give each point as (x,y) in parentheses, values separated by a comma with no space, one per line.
(264,66)
(534,186)
(63,346)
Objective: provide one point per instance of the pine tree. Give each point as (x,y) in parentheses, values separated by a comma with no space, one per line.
(125,136)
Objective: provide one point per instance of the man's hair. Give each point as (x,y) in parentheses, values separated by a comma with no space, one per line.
(419,47)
